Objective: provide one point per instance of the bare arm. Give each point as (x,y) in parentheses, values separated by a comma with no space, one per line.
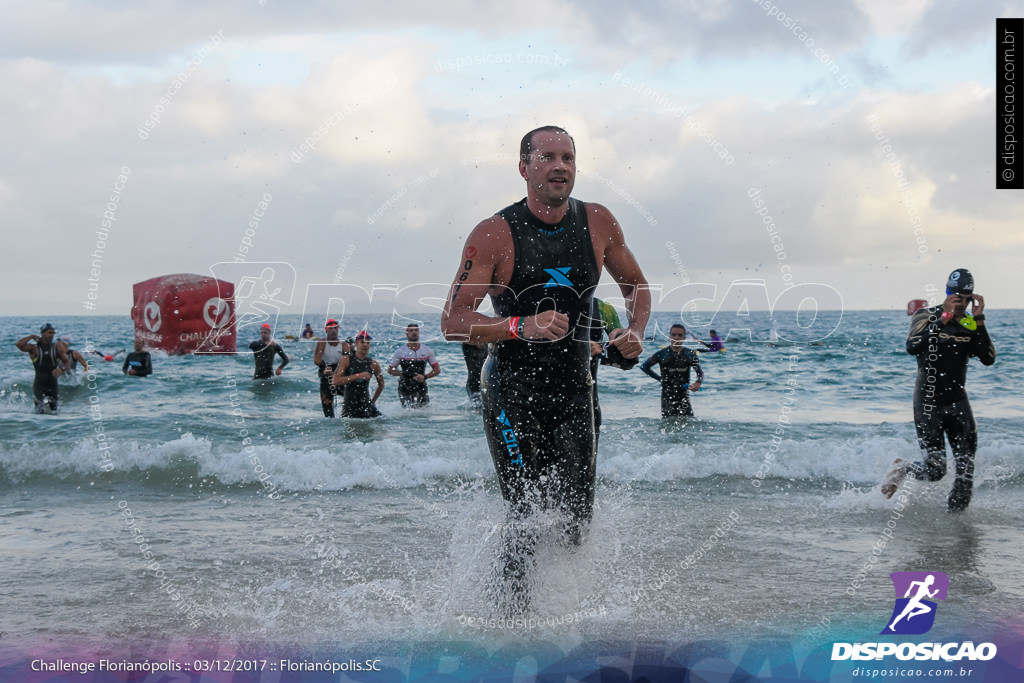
(623,267)
(62,352)
(339,377)
(489,247)
(380,381)
(435,368)
(318,353)
(30,349)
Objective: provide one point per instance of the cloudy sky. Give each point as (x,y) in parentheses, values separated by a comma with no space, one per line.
(377,135)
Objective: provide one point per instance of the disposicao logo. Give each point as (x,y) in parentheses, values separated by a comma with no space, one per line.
(914,614)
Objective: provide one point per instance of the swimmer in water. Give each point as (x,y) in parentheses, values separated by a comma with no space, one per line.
(675,362)
(74,357)
(138,363)
(944,338)
(354,373)
(263,350)
(539,260)
(716,343)
(326,355)
(410,364)
(50,361)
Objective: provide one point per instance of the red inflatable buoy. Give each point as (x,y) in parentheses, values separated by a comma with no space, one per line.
(185,313)
(914,305)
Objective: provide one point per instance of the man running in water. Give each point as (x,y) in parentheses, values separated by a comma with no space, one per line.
(50,361)
(944,338)
(410,363)
(326,355)
(138,363)
(539,260)
(263,350)
(675,362)
(353,373)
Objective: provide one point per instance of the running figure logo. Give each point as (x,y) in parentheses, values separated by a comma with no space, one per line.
(261,290)
(914,613)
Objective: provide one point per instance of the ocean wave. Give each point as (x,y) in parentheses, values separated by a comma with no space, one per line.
(388,464)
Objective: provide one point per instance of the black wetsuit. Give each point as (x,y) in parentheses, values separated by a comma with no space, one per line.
(537,398)
(941,408)
(140,362)
(596,335)
(331,352)
(411,392)
(674,378)
(44,387)
(475,357)
(356,393)
(263,354)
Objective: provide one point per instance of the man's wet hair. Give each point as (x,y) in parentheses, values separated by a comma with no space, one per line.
(526,146)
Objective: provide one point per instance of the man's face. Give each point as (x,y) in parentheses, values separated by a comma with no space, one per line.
(677,336)
(47,337)
(412,334)
(265,334)
(550,172)
(332,332)
(138,345)
(363,346)
(961,302)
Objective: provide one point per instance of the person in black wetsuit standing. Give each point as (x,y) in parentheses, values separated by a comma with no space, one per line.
(326,355)
(354,373)
(138,363)
(49,360)
(263,350)
(410,364)
(539,260)
(675,362)
(944,338)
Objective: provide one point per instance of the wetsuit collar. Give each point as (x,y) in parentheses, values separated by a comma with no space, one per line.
(551,228)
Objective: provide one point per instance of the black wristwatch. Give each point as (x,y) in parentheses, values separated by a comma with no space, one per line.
(980,318)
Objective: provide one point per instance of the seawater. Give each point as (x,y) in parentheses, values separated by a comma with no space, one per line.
(268,525)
